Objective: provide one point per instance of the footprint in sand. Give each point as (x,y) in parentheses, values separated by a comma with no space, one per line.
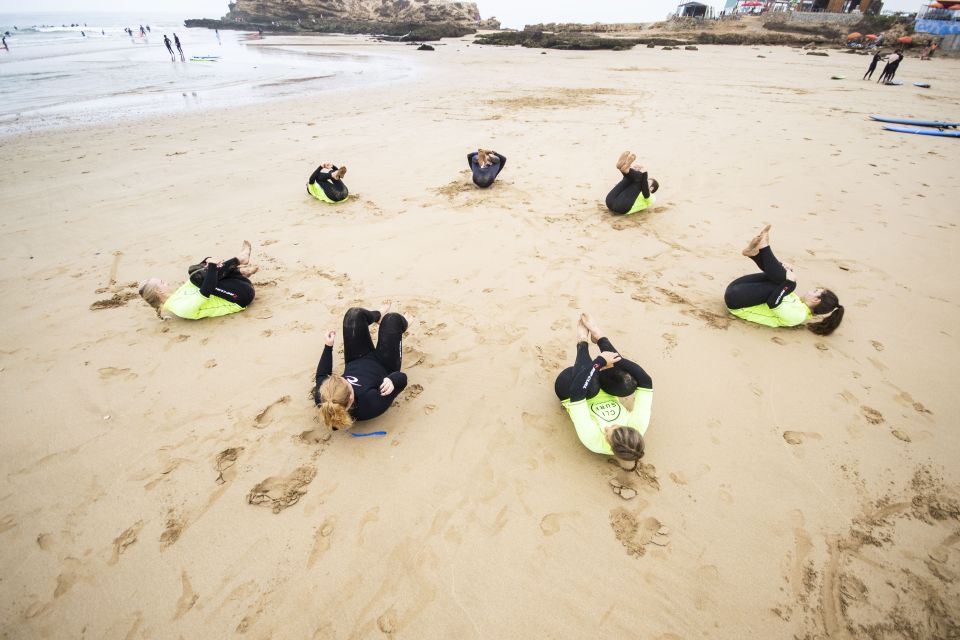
(116,300)
(797,437)
(265,418)
(778,340)
(224,462)
(280,492)
(387,622)
(872,415)
(188,597)
(900,435)
(635,534)
(625,491)
(321,541)
(124,540)
(877,345)
(171,533)
(68,576)
(107,373)
(550,523)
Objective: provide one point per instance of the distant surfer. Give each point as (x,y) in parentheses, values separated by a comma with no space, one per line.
(486,166)
(768,298)
(635,191)
(176,41)
(217,33)
(167,42)
(326,184)
(873,66)
(5,45)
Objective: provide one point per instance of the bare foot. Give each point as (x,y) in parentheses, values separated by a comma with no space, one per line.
(582,332)
(384,308)
(764,237)
(247,270)
(244,256)
(622,162)
(629,162)
(756,243)
(339,173)
(595,333)
(327,165)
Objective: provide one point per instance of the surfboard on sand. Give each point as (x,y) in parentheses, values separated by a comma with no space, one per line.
(925,132)
(922,85)
(917,123)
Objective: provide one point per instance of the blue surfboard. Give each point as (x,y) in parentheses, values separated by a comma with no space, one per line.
(926,132)
(917,123)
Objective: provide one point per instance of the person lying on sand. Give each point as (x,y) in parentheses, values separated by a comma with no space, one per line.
(486,166)
(371,377)
(768,298)
(326,184)
(634,192)
(214,288)
(590,391)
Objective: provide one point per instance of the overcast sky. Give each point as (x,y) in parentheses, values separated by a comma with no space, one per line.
(513,13)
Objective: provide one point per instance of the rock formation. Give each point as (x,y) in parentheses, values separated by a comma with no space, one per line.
(412,11)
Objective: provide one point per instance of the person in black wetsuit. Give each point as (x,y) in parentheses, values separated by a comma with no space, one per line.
(326,183)
(176,41)
(890,68)
(485,166)
(873,66)
(635,191)
(371,377)
(166,41)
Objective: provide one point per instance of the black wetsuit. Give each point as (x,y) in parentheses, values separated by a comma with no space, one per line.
(889,69)
(580,381)
(224,282)
(770,287)
(176,41)
(166,41)
(483,177)
(366,366)
(873,67)
(334,189)
(623,196)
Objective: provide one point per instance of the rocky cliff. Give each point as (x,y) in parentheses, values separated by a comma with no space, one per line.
(411,11)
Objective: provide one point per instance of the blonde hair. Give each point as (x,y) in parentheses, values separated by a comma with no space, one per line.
(150,292)
(627,444)
(335,395)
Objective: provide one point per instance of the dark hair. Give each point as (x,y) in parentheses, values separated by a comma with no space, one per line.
(829,303)
(617,382)
(627,444)
(654,185)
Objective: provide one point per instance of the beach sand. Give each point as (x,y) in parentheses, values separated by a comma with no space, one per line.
(794,485)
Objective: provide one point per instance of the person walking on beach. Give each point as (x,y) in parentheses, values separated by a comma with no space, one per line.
(873,66)
(326,184)
(590,392)
(166,41)
(768,298)
(214,288)
(5,46)
(176,41)
(635,191)
(485,166)
(143,33)
(892,62)
(217,33)
(371,377)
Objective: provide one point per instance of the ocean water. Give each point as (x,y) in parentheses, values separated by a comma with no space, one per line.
(74,70)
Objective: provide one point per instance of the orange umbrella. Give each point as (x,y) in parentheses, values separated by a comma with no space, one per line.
(905,40)
(870,36)
(854,36)
(935,5)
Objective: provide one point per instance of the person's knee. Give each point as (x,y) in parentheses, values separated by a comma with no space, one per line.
(354,314)
(394,318)
(562,384)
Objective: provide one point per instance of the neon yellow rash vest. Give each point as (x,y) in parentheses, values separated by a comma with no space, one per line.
(591,416)
(791,312)
(318,193)
(642,203)
(187,302)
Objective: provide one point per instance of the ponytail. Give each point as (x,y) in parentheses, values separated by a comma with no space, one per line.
(627,444)
(829,303)
(334,397)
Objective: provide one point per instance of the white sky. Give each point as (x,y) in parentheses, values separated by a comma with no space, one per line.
(513,13)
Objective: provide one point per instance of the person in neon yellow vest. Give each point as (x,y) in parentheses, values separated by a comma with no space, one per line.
(769,297)
(635,191)
(591,392)
(326,184)
(214,288)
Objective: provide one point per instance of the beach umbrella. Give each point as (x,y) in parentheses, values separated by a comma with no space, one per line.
(935,5)
(870,36)
(905,40)
(854,36)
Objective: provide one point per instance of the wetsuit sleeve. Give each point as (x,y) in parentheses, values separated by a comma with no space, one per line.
(324,369)
(399,380)
(210,279)
(582,378)
(503,160)
(640,416)
(470,158)
(644,381)
(315,176)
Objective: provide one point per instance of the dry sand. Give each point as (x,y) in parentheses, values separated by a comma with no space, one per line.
(795,486)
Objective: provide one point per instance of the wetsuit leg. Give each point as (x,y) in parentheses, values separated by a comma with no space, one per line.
(333,189)
(771,267)
(356,333)
(390,341)
(750,290)
(197,271)
(564,382)
(235,288)
(623,196)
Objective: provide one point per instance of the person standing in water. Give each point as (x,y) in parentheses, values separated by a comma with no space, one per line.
(176,41)
(634,192)
(485,166)
(166,41)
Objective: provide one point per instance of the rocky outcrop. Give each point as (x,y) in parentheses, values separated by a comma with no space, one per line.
(412,11)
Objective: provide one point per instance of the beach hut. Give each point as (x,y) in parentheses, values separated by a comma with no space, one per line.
(691,10)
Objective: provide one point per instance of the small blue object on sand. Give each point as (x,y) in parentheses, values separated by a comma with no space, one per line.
(372,433)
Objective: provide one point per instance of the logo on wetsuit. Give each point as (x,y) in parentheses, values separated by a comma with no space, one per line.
(609,410)
(353,381)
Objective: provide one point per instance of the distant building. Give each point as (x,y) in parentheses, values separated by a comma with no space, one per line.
(692,10)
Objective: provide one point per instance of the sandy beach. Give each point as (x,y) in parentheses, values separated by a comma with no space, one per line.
(794,486)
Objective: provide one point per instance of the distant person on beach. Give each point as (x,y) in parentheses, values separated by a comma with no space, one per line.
(326,184)
(371,377)
(166,41)
(260,32)
(768,298)
(590,392)
(217,32)
(890,68)
(5,45)
(928,53)
(635,191)
(873,66)
(214,288)
(176,41)
(485,166)
(143,32)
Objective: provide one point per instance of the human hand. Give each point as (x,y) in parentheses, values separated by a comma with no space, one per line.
(386,387)
(329,338)
(215,261)
(610,357)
